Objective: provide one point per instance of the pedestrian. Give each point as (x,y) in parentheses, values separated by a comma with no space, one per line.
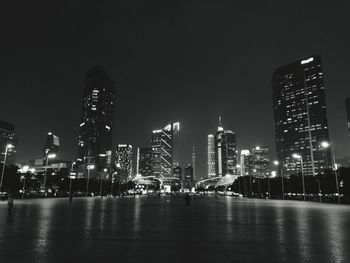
(187,199)
(70,198)
(10,202)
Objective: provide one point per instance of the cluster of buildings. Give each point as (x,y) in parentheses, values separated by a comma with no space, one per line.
(301,125)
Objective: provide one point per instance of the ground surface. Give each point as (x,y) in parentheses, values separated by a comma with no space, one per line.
(164,229)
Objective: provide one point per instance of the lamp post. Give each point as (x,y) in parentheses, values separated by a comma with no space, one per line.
(327,145)
(276,163)
(8,146)
(89,167)
(299,157)
(49,156)
(105,171)
(70,179)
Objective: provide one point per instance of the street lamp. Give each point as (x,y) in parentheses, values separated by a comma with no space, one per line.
(71,176)
(49,156)
(327,145)
(8,146)
(105,171)
(89,167)
(276,163)
(299,157)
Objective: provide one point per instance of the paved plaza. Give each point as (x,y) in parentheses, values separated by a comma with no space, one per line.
(164,229)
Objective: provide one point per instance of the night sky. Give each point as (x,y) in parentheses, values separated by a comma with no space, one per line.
(187,61)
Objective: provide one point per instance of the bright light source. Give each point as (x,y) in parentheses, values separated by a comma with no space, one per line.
(238,166)
(105,170)
(273,174)
(91,167)
(9,146)
(51,155)
(276,163)
(257,148)
(325,144)
(296,156)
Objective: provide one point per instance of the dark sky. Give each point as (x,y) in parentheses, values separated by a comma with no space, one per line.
(171,60)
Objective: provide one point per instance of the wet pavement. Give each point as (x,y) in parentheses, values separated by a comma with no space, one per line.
(164,229)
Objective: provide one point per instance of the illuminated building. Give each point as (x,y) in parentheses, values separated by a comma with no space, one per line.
(261,162)
(211,156)
(177,172)
(144,161)
(52,145)
(301,116)
(123,159)
(95,134)
(163,150)
(347,106)
(246,163)
(225,152)
(7,136)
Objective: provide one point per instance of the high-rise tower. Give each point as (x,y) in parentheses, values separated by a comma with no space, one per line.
(301,116)
(95,134)
(347,107)
(211,156)
(52,145)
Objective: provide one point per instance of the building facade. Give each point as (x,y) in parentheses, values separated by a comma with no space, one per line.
(261,162)
(52,145)
(144,161)
(7,136)
(211,156)
(347,107)
(96,126)
(301,116)
(123,159)
(246,163)
(163,150)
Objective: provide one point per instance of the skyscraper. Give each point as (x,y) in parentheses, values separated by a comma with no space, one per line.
(246,163)
(347,107)
(225,151)
(261,162)
(123,159)
(163,150)
(95,134)
(301,116)
(211,156)
(52,145)
(144,161)
(194,161)
(7,136)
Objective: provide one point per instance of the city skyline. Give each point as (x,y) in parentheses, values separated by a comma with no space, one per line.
(229,78)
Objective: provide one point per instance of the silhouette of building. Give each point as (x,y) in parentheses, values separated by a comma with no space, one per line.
(7,136)
(347,106)
(225,152)
(123,160)
(177,172)
(144,161)
(95,134)
(51,146)
(301,116)
(211,156)
(163,150)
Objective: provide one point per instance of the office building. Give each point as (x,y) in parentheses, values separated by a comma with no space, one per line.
(225,152)
(301,116)
(163,150)
(211,156)
(95,134)
(144,161)
(123,159)
(52,145)
(261,162)
(246,163)
(7,136)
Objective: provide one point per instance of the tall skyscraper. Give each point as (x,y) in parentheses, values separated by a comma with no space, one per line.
(194,161)
(211,156)
(347,106)
(144,161)
(95,134)
(188,173)
(163,150)
(246,163)
(52,145)
(301,116)
(261,162)
(7,136)
(225,152)
(123,159)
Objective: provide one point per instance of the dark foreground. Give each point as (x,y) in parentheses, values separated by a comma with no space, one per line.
(164,229)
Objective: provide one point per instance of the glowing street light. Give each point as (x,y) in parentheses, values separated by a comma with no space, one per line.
(327,145)
(299,157)
(8,146)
